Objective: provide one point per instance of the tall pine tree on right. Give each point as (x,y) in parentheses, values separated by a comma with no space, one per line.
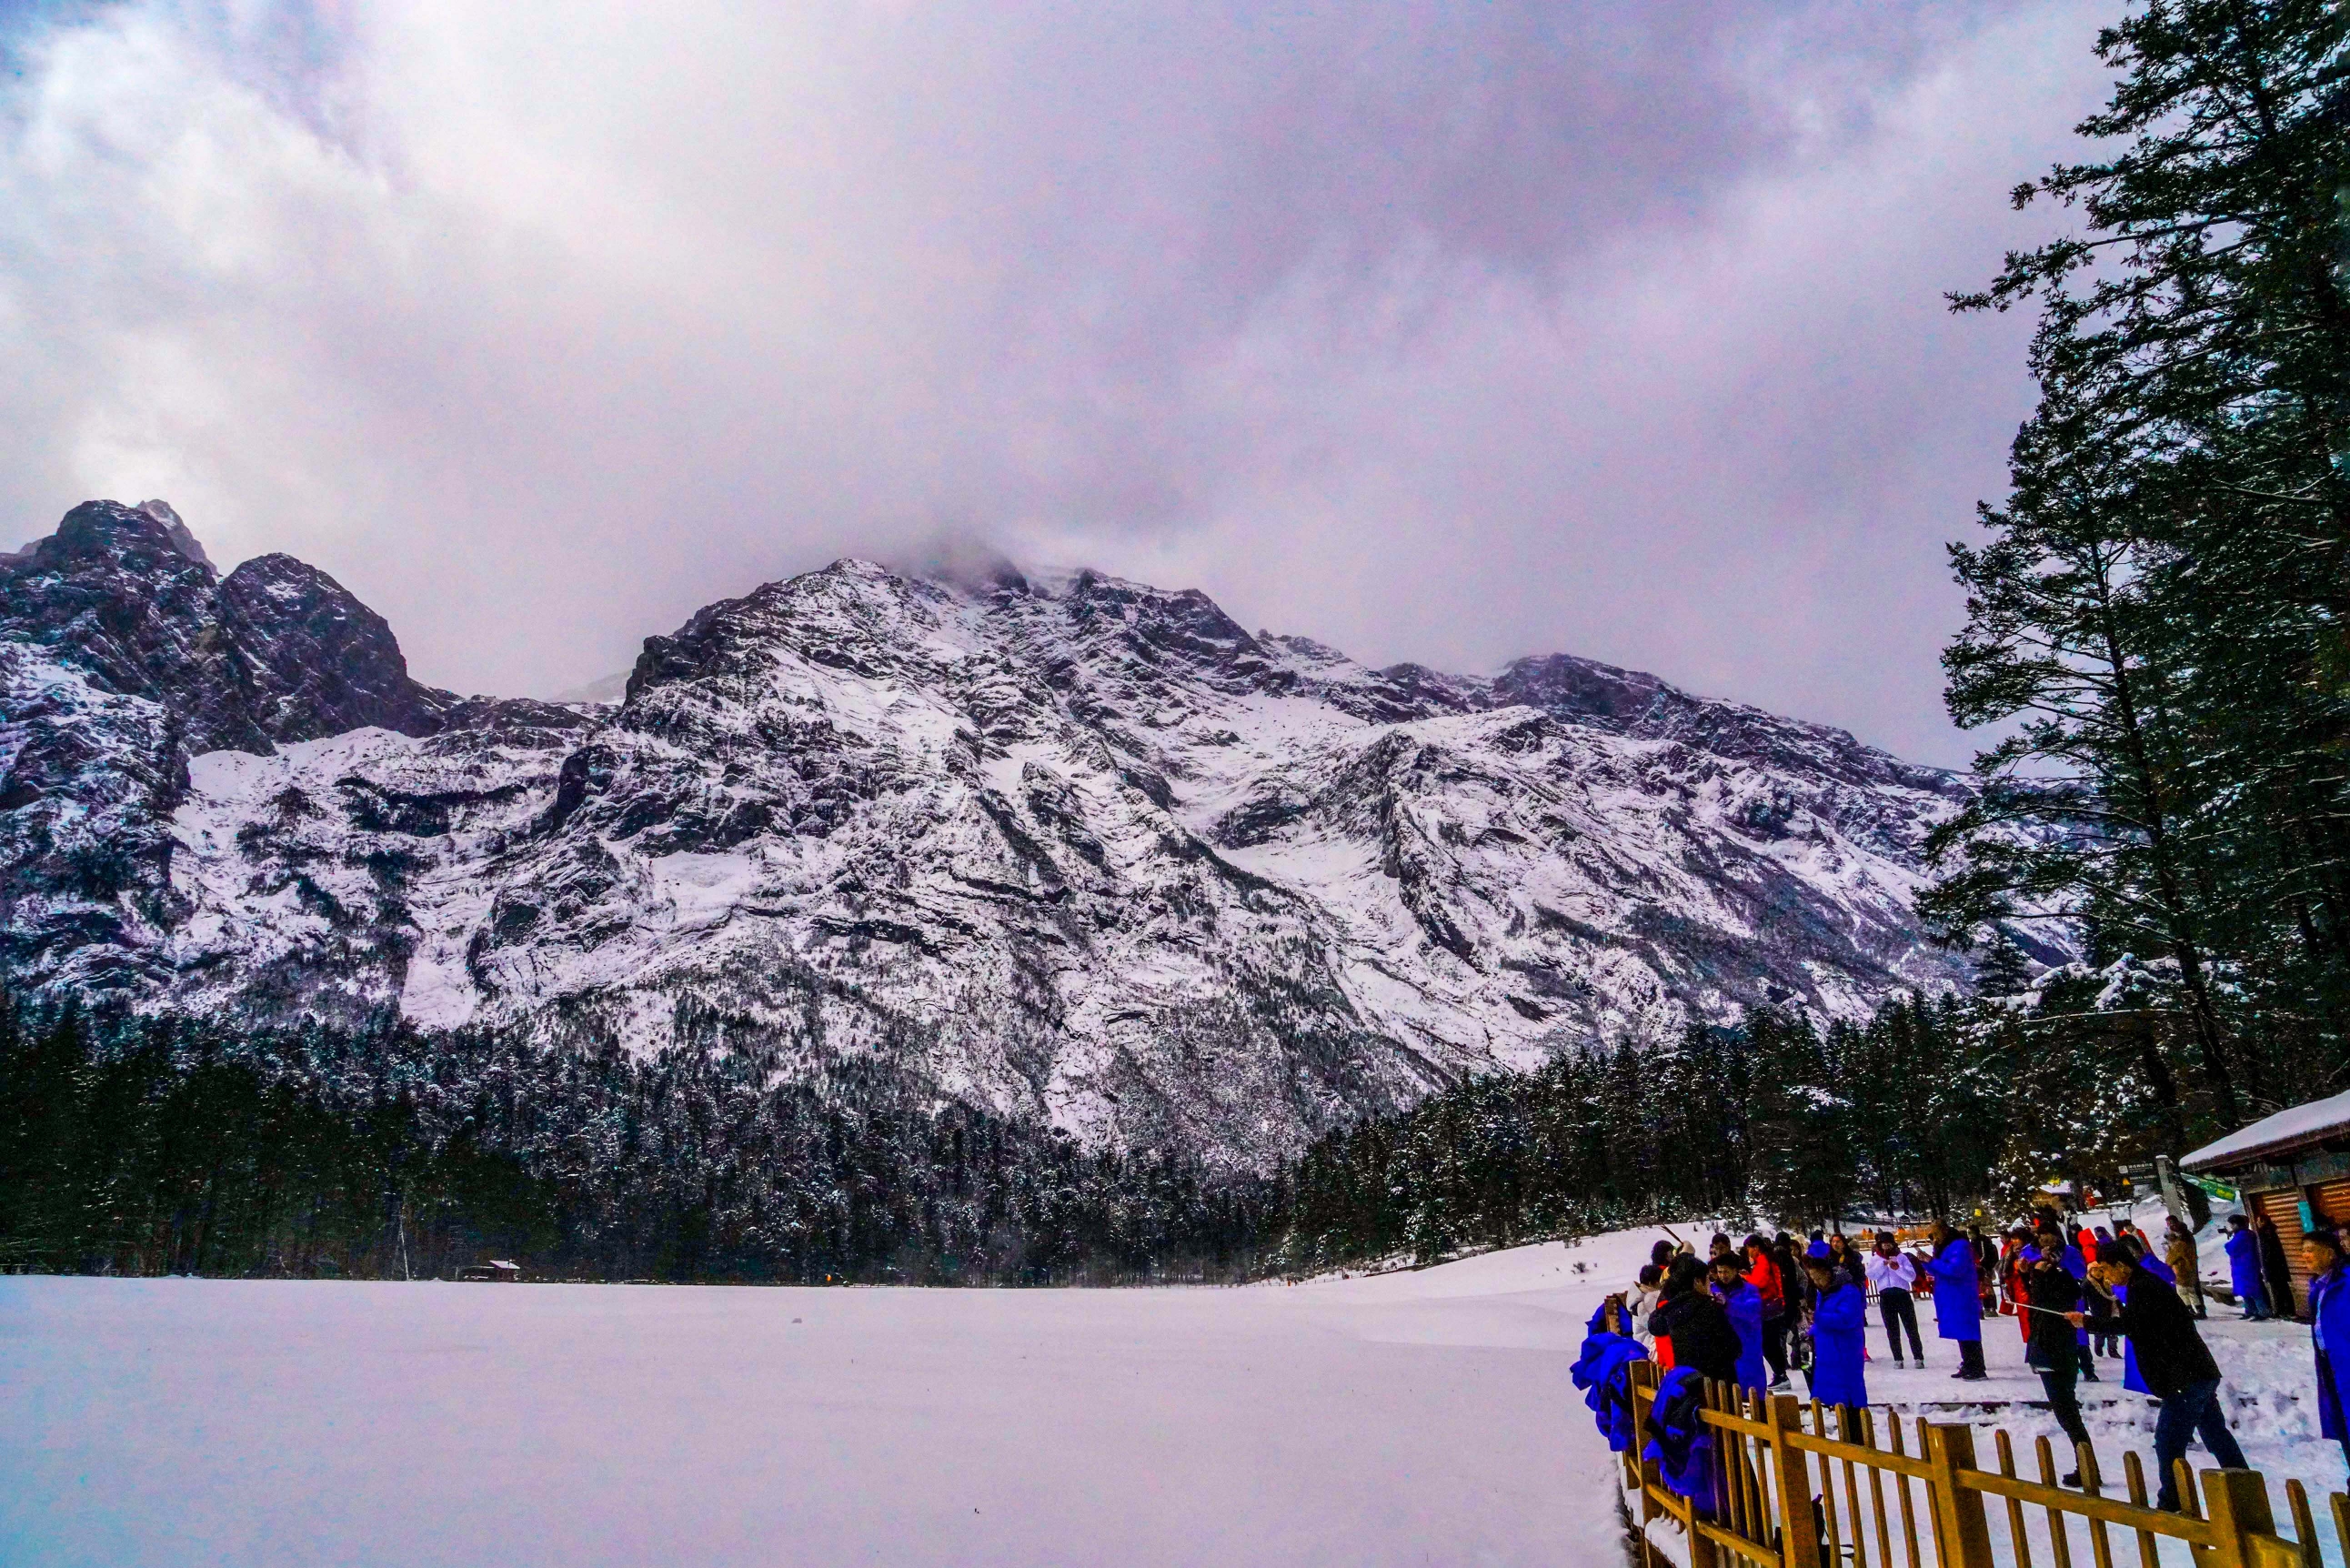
(2159,621)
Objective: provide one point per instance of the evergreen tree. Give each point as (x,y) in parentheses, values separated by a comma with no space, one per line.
(2160,610)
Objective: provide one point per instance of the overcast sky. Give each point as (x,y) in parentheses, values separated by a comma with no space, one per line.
(1445,333)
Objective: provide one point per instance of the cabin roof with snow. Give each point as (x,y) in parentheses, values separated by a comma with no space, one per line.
(2294,1128)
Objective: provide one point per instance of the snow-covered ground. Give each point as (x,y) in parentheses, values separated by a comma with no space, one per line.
(1406,1418)
(1412,1418)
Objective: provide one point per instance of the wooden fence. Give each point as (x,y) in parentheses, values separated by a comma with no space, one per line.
(1803,1486)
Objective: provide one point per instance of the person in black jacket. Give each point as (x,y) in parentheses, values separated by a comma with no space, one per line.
(2049,1295)
(2173,1360)
(2275,1273)
(1702,1338)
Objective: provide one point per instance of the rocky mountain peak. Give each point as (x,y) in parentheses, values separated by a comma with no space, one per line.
(145,541)
(314,660)
(177,531)
(1081,848)
(276,651)
(112,594)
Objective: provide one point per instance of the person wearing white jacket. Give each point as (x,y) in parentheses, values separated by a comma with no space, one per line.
(1644,1300)
(1893,1275)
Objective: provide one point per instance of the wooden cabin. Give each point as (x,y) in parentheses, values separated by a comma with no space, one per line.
(2293,1167)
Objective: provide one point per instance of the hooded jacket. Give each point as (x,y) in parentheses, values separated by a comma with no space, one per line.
(1681,1443)
(1839,1332)
(1602,1371)
(1958,1301)
(2329,1334)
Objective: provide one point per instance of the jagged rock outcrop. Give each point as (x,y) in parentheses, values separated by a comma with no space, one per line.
(123,654)
(275,651)
(1082,849)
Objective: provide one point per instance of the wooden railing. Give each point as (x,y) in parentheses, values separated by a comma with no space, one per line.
(1803,1486)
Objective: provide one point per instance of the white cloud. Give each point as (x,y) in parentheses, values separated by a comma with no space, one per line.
(1439,332)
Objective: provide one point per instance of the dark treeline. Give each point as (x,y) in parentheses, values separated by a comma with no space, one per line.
(1929,1108)
(144,1147)
(149,1146)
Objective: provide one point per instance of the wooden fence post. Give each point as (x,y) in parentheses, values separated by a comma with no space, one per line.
(1798,1531)
(1965,1536)
(2237,1505)
(1646,1376)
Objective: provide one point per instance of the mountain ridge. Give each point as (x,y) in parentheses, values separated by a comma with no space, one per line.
(1079,848)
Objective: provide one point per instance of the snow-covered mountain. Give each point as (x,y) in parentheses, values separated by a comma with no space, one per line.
(1076,847)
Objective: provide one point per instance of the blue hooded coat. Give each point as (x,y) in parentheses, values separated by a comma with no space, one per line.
(1603,1370)
(1743,1303)
(1958,1291)
(2130,1379)
(1839,1330)
(1681,1443)
(2244,1267)
(2329,1332)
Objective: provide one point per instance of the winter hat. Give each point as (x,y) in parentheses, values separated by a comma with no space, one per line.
(1816,1249)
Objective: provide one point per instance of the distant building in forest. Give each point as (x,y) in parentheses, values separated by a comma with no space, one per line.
(496,1271)
(2293,1167)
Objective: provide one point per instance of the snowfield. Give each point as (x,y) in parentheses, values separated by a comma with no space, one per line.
(1413,1418)
(1409,1420)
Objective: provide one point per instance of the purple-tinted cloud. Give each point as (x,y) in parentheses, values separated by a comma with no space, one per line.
(1440,332)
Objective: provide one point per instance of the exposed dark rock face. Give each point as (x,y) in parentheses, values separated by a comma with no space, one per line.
(314,661)
(123,654)
(1079,848)
(278,651)
(112,594)
(1628,702)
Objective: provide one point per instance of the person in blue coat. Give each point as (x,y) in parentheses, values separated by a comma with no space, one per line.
(1839,1330)
(2244,1268)
(1957,1299)
(2132,1379)
(1744,1306)
(2329,1331)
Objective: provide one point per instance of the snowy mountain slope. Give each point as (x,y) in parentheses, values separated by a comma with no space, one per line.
(1080,848)
(123,654)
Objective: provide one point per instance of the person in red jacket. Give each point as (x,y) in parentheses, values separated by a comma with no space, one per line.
(2015,1261)
(1763,1274)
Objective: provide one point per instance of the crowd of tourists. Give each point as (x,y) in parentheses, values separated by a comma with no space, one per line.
(1758,1314)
